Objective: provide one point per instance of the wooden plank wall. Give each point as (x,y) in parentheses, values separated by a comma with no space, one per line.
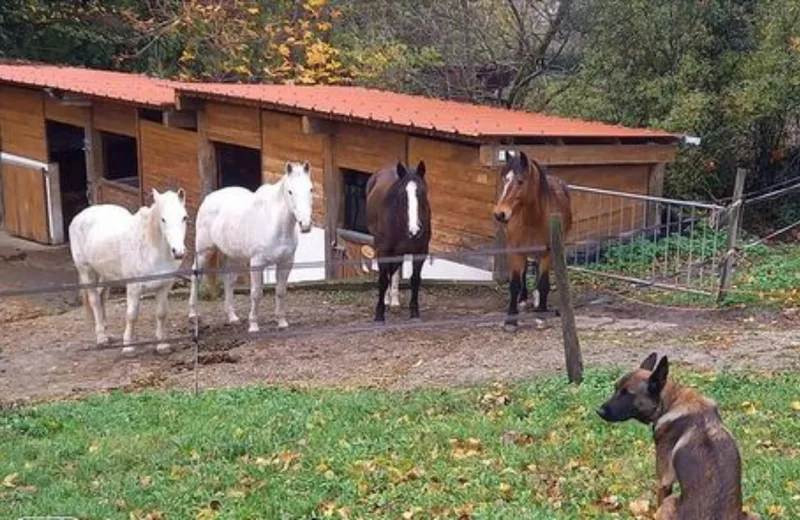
(22,132)
(57,111)
(114,118)
(116,193)
(168,159)
(22,123)
(233,124)
(283,140)
(596,216)
(461,192)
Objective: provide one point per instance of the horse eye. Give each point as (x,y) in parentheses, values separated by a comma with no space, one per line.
(290,192)
(185,218)
(164,220)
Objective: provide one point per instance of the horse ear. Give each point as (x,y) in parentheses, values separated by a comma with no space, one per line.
(155,194)
(401,170)
(288,168)
(421,169)
(523,161)
(307,168)
(182,196)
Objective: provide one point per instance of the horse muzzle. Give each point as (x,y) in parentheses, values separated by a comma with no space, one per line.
(178,255)
(305,228)
(501,216)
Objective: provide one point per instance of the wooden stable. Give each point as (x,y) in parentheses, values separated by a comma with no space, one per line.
(176,135)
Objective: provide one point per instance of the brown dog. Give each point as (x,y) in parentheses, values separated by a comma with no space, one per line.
(693,447)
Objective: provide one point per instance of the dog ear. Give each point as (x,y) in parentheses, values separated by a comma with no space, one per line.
(658,379)
(649,362)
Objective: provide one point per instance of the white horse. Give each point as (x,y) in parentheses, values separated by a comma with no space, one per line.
(260,227)
(109,243)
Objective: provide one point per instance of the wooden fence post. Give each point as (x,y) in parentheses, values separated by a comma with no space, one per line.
(572,348)
(726,274)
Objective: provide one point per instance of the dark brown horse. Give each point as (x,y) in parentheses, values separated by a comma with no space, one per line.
(528,199)
(399,219)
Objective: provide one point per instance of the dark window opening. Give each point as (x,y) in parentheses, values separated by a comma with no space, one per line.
(355,200)
(238,166)
(65,147)
(148,114)
(121,159)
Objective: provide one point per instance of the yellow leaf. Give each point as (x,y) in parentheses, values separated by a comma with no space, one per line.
(796,406)
(10,481)
(145,481)
(639,507)
(776,510)
(253,10)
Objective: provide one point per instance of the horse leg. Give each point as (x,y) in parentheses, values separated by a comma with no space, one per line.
(87,276)
(282,278)
(543,282)
(228,279)
(383,282)
(162,296)
(200,260)
(256,292)
(416,279)
(523,289)
(392,298)
(516,267)
(133,294)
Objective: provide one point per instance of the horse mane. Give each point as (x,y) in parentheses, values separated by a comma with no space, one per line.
(544,186)
(148,215)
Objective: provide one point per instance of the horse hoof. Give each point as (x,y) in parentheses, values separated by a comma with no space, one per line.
(415,318)
(163,348)
(395,304)
(510,327)
(253,328)
(541,324)
(103,340)
(283,324)
(522,304)
(380,319)
(128,351)
(233,320)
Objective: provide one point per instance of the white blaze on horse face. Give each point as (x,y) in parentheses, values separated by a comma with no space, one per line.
(173,222)
(299,187)
(413,208)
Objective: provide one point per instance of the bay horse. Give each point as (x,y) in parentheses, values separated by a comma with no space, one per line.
(260,227)
(399,220)
(528,199)
(109,243)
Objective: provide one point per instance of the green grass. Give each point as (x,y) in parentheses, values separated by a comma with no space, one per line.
(279,453)
(764,276)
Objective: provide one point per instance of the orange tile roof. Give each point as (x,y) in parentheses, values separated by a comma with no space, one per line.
(369,106)
(117,86)
(415,112)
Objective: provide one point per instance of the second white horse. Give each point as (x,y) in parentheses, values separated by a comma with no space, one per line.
(258,226)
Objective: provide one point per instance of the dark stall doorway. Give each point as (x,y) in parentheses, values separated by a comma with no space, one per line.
(65,147)
(238,166)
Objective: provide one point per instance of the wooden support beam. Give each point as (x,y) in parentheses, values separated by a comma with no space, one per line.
(75,101)
(316,126)
(207,170)
(333,189)
(187,102)
(581,155)
(95,159)
(572,348)
(180,119)
(726,274)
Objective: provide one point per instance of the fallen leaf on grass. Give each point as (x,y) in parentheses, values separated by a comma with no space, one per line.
(10,481)
(465,449)
(639,507)
(517,438)
(796,406)
(776,511)
(145,481)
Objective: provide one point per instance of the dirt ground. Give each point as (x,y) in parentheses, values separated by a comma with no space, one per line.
(47,350)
